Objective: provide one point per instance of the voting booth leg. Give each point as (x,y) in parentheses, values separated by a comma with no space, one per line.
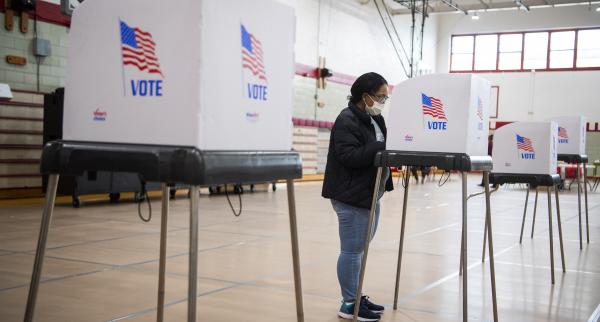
(524,214)
(193,255)
(579,205)
(41,246)
(464,248)
(534,211)
(551,235)
(163,253)
(488,227)
(484,234)
(401,247)
(295,249)
(484,241)
(585,191)
(368,233)
(560,235)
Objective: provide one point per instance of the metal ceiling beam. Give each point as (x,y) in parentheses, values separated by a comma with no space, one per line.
(451,4)
(492,6)
(405,4)
(487,6)
(520,4)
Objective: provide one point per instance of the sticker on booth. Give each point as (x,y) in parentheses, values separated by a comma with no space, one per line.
(434,117)
(525,147)
(563,136)
(99,115)
(253,67)
(142,76)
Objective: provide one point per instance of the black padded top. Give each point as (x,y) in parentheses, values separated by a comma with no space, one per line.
(441,160)
(535,180)
(573,158)
(171,164)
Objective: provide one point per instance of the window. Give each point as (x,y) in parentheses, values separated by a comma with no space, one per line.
(511,48)
(486,47)
(572,49)
(588,48)
(562,49)
(462,53)
(535,55)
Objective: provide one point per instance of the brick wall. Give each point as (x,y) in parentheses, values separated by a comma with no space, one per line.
(52,68)
(333,99)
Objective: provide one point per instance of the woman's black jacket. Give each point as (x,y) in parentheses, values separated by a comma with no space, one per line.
(350,174)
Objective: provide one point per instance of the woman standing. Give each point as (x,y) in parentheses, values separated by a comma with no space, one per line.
(358,134)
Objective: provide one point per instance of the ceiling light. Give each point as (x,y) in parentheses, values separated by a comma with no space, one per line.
(598,9)
(475,16)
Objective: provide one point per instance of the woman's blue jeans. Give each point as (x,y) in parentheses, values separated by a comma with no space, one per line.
(353,224)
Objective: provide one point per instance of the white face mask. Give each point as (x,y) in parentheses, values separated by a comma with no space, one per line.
(376,109)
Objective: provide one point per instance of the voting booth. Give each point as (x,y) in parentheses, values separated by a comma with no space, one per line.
(440,113)
(526,148)
(439,120)
(216,75)
(572,135)
(526,153)
(198,93)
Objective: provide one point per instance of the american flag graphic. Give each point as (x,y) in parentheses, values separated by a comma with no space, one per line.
(524,144)
(479,109)
(562,132)
(138,49)
(252,54)
(433,107)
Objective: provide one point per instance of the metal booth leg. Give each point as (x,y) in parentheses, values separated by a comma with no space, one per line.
(488,220)
(560,235)
(163,253)
(295,250)
(585,190)
(193,255)
(579,205)
(551,235)
(484,241)
(363,265)
(524,213)
(534,211)
(484,233)
(464,248)
(41,246)
(401,247)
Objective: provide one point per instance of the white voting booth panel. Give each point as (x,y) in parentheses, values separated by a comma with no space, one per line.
(572,134)
(526,148)
(212,74)
(440,113)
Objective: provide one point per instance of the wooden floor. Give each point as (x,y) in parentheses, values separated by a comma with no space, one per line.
(101,262)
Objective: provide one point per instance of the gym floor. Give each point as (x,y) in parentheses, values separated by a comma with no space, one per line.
(102,261)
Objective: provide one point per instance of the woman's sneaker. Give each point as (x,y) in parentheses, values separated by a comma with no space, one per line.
(375,308)
(364,314)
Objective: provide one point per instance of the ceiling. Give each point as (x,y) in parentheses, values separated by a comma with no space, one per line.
(402,6)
